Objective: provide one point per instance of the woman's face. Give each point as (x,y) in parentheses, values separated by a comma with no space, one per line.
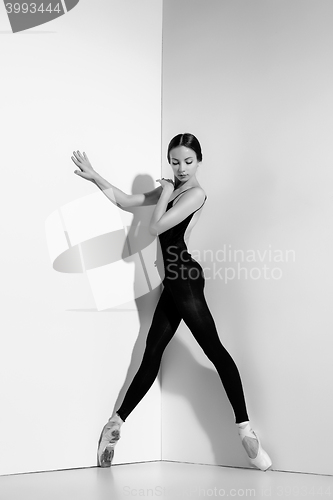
(183,161)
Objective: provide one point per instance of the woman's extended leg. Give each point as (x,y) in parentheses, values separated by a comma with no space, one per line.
(164,324)
(188,294)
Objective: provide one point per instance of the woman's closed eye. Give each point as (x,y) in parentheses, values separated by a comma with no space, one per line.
(187,163)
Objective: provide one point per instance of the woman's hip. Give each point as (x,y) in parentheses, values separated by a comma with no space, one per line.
(184,271)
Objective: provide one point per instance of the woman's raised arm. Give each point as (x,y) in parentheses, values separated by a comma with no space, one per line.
(114,194)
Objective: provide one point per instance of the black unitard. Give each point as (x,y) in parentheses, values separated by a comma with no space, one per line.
(183,298)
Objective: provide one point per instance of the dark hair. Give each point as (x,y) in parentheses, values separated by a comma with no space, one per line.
(187,140)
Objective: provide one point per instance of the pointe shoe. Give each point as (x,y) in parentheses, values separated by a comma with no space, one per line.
(262,460)
(107,441)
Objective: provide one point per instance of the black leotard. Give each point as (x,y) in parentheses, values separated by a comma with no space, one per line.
(183,298)
(172,242)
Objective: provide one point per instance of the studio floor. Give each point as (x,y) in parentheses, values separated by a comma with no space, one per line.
(164,480)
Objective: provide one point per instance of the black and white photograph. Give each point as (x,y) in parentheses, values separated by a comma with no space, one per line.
(166,228)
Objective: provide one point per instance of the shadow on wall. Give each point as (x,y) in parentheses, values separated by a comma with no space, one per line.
(123,264)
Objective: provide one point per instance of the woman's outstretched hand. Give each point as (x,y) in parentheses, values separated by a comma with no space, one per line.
(86,171)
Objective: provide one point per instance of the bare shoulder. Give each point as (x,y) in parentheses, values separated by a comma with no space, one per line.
(193,195)
(199,191)
(199,188)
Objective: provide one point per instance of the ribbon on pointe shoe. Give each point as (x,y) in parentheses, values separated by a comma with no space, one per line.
(262,461)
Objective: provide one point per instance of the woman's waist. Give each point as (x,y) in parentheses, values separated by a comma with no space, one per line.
(178,256)
(175,251)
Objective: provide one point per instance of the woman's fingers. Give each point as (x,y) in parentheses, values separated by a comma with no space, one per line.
(86,159)
(81,174)
(82,160)
(75,161)
(164,182)
(80,155)
(76,156)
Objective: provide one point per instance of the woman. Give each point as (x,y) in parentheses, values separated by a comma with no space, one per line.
(178,207)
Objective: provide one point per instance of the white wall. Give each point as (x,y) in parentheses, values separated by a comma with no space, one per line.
(253,81)
(88,81)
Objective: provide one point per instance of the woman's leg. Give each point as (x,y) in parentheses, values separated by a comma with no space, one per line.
(188,294)
(164,324)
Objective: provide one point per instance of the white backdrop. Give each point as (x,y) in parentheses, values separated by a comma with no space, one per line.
(89,81)
(253,81)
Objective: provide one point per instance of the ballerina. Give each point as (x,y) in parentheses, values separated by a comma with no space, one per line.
(179,203)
